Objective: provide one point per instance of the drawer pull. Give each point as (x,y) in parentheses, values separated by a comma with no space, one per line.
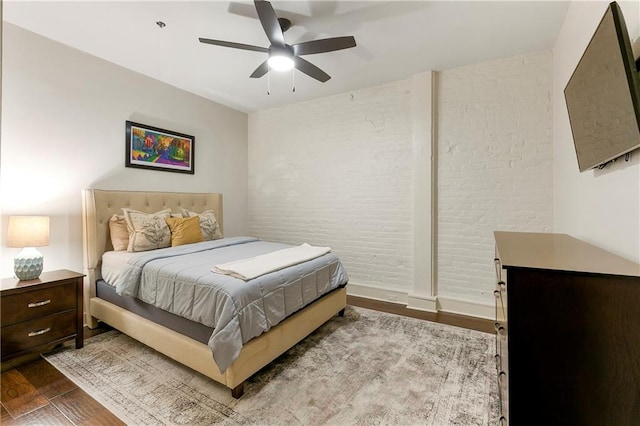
(499,328)
(502,379)
(502,286)
(498,267)
(37,304)
(502,421)
(496,293)
(39,332)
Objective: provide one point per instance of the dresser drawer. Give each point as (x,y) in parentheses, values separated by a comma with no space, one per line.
(30,334)
(502,335)
(38,302)
(501,305)
(504,410)
(503,389)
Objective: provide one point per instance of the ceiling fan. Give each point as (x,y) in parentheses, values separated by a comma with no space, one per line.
(283,56)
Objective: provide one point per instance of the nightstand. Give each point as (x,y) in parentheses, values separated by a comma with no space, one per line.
(40,313)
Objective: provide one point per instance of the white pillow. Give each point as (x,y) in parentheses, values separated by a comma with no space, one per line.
(147,231)
(208,224)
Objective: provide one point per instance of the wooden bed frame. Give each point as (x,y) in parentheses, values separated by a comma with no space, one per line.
(98,206)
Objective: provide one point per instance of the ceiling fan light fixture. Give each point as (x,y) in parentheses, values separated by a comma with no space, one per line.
(280,62)
(283,56)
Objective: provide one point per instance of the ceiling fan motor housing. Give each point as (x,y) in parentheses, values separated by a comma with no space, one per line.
(285,24)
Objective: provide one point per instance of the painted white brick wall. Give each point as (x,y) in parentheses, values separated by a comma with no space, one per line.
(495,165)
(338,171)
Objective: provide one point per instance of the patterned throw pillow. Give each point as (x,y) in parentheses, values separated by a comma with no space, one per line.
(184,230)
(147,231)
(208,224)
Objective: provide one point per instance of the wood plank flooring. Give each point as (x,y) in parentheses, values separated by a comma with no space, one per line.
(36,393)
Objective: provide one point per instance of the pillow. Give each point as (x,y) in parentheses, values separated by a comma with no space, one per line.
(147,231)
(118,232)
(184,230)
(208,224)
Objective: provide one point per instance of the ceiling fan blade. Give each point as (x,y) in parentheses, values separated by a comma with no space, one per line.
(324,45)
(311,70)
(233,45)
(261,70)
(269,22)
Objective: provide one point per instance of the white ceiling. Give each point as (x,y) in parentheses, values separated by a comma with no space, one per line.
(395,39)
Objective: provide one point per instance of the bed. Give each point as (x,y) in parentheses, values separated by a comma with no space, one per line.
(187,333)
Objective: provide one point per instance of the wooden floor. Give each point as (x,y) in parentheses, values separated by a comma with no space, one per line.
(36,393)
(472,323)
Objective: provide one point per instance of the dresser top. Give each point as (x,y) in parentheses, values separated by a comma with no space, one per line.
(559,252)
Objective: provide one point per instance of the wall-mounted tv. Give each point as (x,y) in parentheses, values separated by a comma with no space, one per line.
(603,95)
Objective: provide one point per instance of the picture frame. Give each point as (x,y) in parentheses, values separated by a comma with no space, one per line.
(153,148)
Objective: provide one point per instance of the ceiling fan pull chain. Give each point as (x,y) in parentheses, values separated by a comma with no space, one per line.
(269,81)
(293,79)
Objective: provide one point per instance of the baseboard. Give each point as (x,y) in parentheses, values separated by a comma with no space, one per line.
(467,307)
(422,303)
(377,293)
(448,304)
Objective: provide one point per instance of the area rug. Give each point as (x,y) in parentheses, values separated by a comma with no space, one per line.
(365,368)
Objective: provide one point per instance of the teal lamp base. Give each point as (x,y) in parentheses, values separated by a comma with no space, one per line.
(28,264)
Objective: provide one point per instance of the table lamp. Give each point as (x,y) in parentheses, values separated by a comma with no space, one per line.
(28,232)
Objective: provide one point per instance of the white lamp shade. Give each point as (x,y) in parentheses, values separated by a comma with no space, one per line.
(28,231)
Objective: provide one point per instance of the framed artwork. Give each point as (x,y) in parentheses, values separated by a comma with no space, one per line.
(152,148)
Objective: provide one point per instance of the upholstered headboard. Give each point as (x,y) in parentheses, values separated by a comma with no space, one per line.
(98,205)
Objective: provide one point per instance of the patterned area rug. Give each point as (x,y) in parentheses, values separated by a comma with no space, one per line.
(366,368)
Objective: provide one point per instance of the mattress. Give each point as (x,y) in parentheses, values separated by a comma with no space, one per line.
(196,331)
(180,281)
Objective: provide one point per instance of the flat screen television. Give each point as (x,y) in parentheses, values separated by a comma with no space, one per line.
(603,95)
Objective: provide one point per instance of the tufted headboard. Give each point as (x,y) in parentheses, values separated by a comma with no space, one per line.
(98,205)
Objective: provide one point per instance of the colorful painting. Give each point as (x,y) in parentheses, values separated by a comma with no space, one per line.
(153,148)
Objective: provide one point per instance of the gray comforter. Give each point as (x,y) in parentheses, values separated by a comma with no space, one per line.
(180,280)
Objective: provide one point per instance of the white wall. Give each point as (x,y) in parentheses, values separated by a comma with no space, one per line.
(338,171)
(63,129)
(601,207)
(494,166)
(345,171)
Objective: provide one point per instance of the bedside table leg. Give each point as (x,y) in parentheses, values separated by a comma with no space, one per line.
(79,340)
(79,314)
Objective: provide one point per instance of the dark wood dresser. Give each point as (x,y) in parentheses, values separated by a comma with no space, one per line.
(567,332)
(40,313)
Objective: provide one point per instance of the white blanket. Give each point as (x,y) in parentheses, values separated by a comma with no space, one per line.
(253,267)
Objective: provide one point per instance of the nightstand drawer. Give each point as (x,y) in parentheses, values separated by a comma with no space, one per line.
(31,334)
(38,302)
(40,313)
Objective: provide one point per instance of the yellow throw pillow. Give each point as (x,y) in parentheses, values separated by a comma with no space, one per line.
(118,232)
(184,230)
(208,223)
